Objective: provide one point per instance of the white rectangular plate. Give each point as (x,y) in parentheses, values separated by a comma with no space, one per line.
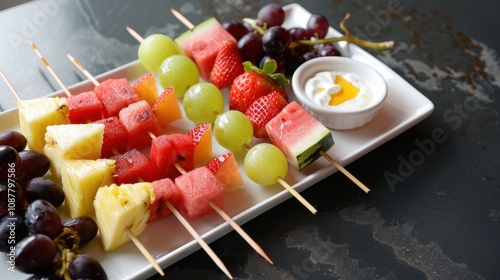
(169,242)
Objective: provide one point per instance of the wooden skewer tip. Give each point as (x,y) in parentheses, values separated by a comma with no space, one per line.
(145,252)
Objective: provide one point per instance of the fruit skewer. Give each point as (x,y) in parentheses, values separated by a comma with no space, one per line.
(220,211)
(134,239)
(188,227)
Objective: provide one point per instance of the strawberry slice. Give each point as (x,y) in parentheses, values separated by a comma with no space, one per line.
(263,110)
(255,83)
(228,65)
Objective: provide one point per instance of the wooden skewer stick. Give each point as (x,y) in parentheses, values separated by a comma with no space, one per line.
(198,238)
(297,195)
(83,70)
(233,224)
(47,65)
(135,34)
(18,98)
(345,172)
(145,252)
(182,19)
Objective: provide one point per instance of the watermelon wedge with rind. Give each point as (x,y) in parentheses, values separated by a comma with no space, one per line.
(202,43)
(299,135)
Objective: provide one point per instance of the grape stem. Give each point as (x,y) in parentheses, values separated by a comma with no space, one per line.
(381,46)
(348,37)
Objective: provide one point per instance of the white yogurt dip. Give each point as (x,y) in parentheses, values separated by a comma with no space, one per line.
(322,85)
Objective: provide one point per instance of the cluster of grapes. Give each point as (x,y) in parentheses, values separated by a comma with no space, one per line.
(266,39)
(32,233)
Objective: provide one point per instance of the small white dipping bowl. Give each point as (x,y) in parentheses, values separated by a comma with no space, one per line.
(330,116)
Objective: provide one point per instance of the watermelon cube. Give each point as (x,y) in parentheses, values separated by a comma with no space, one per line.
(165,190)
(163,156)
(139,121)
(84,107)
(167,150)
(202,43)
(115,140)
(132,167)
(198,188)
(299,135)
(114,95)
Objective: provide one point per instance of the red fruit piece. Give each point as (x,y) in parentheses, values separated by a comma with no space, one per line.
(139,121)
(84,107)
(114,95)
(255,83)
(263,110)
(132,167)
(227,66)
(225,169)
(198,188)
(167,150)
(115,139)
(165,190)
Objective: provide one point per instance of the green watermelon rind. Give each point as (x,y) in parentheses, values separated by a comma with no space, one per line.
(307,156)
(196,33)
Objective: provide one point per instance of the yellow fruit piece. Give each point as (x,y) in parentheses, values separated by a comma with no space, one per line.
(347,91)
(203,150)
(166,108)
(81,179)
(72,141)
(146,88)
(118,208)
(36,114)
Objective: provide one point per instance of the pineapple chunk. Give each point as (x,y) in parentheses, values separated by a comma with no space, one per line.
(122,207)
(36,114)
(81,178)
(72,141)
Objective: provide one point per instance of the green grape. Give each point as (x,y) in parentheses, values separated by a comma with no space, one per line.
(265,163)
(203,102)
(180,72)
(155,49)
(233,130)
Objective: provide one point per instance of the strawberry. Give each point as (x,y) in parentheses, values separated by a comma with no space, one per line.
(227,66)
(255,83)
(264,109)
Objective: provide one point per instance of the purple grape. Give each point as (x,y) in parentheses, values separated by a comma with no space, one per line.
(13,138)
(42,217)
(271,15)
(293,61)
(11,198)
(9,163)
(309,55)
(275,40)
(237,28)
(44,188)
(33,164)
(298,33)
(250,47)
(86,267)
(280,63)
(84,226)
(35,254)
(317,26)
(12,230)
(328,50)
